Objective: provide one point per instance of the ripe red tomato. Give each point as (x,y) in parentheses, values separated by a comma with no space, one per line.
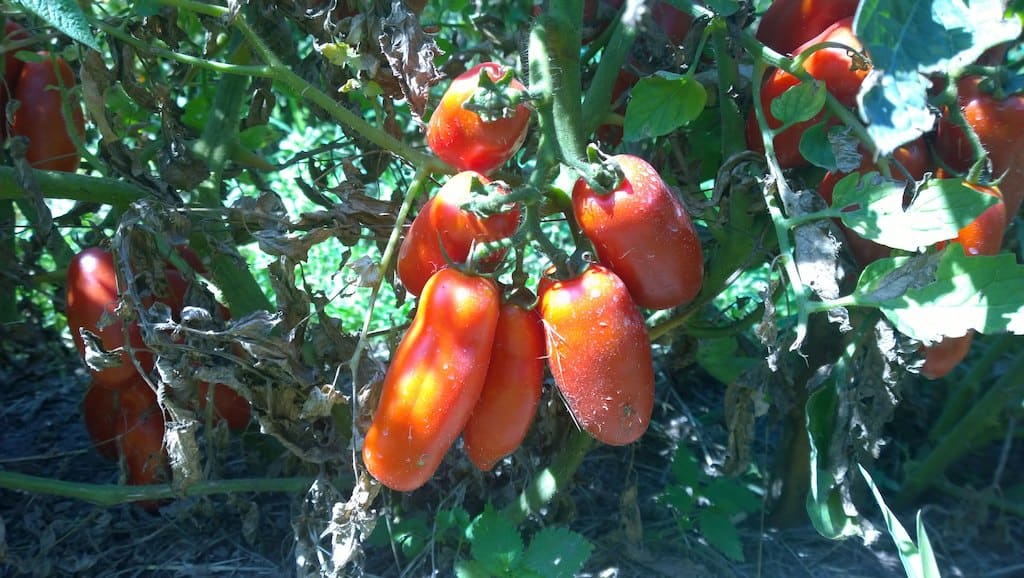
(442,221)
(227,405)
(505,410)
(789,23)
(832,66)
(998,124)
(91,292)
(464,140)
(101,415)
(40,115)
(642,232)
(915,159)
(434,380)
(983,236)
(599,354)
(142,439)
(12,69)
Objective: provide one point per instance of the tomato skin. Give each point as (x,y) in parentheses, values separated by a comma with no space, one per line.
(40,115)
(227,405)
(100,413)
(462,139)
(434,379)
(643,233)
(91,291)
(914,157)
(789,23)
(503,414)
(940,359)
(831,66)
(442,217)
(142,438)
(599,354)
(998,124)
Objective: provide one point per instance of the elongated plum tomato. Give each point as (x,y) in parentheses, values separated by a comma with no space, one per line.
(789,23)
(40,116)
(463,139)
(91,292)
(599,354)
(442,221)
(642,232)
(833,66)
(141,427)
(502,416)
(434,379)
(983,236)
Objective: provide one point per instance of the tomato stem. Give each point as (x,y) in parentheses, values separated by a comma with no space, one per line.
(733,138)
(597,101)
(551,480)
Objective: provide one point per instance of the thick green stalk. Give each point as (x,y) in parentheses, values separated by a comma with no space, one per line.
(598,97)
(551,480)
(1009,389)
(733,132)
(558,36)
(959,400)
(72,186)
(109,495)
(8,289)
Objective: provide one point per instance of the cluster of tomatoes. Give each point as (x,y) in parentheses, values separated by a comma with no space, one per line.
(120,408)
(791,27)
(472,362)
(41,114)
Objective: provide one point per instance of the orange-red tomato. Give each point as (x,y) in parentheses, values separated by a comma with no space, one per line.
(940,359)
(142,439)
(91,292)
(599,354)
(100,413)
(434,379)
(40,116)
(227,405)
(642,232)
(915,160)
(442,222)
(502,416)
(463,139)
(789,23)
(833,66)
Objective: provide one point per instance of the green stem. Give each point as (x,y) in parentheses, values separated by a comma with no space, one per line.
(960,399)
(556,36)
(732,122)
(1007,390)
(109,495)
(8,286)
(598,97)
(72,186)
(551,480)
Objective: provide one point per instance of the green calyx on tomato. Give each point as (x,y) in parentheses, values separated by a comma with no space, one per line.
(463,138)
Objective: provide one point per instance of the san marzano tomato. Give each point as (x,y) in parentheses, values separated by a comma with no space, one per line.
(789,23)
(40,115)
(461,138)
(642,232)
(599,354)
(434,379)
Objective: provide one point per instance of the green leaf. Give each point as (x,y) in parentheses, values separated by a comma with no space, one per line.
(661,103)
(816,148)
(976,292)
(557,552)
(454,519)
(720,532)
(720,358)
(679,498)
(64,15)
(918,562)
(909,40)
(873,208)
(824,506)
(471,569)
(495,541)
(799,103)
(730,496)
(723,7)
(685,468)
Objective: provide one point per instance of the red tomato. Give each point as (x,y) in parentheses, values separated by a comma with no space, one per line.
(789,23)
(227,405)
(12,69)
(940,359)
(464,140)
(91,291)
(442,221)
(101,416)
(40,115)
(832,66)
(502,416)
(599,354)
(998,124)
(642,232)
(915,159)
(434,379)
(142,439)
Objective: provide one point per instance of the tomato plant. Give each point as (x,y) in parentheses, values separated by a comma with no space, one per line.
(599,354)
(469,140)
(141,427)
(100,413)
(434,379)
(787,24)
(444,231)
(40,115)
(508,402)
(228,405)
(643,233)
(12,69)
(832,66)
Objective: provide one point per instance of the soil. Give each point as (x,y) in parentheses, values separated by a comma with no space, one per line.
(41,433)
